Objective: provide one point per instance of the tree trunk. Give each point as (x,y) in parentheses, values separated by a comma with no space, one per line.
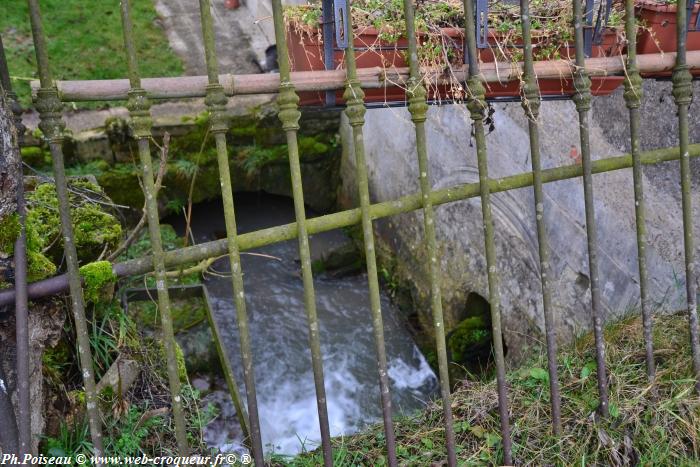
(10,170)
(9,161)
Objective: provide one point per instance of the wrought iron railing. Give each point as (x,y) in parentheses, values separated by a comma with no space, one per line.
(216,89)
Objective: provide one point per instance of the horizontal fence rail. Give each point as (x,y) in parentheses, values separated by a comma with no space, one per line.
(215,88)
(370,78)
(350,217)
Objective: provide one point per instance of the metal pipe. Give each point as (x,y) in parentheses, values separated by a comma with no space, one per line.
(289,115)
(531,105)
(52,126)
(24,426)
(633,100)
(370,78)
(404,204)
(418,108)
(216,103)
(355,111)
(683,96)
(476,103)
(582,99)
(139,113)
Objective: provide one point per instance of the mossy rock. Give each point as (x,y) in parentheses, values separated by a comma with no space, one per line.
(470,340)
(98,276)
(9,231)
(94,229)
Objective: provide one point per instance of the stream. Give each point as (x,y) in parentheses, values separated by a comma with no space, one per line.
(278,326)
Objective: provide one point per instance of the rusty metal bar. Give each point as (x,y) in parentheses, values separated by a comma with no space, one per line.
(633,100)
(24,426)
(139,113)
(582,99)
(683,96)
(216,103)
(418,108)
(355,111)
(530,94)
(370,78)
(351,217)
(289,115)
(52,126)
(476,103)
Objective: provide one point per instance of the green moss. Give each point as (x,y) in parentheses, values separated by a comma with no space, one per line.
(35,156)
(185,314)
(94,229)
(96,276)
(9,231)
(471,337)
(121,183)
(39,266)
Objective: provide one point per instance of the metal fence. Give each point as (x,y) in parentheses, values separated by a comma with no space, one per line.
(216,90)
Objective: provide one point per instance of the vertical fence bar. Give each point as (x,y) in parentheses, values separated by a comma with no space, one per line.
(683,95)
(51,124)
(139,113)
(582,99)
(633,100)
(289,115)
(24,425)
(418,108)
(355,111)
(216,103)
(476,103)
(531,104)
(327,14)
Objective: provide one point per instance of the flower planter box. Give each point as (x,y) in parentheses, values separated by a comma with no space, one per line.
(306,54)
(659,33)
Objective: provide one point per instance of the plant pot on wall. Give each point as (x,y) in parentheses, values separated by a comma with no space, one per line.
(306,54)
(658,27)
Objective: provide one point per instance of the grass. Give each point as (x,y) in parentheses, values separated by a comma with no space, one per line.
(649,425)
(84,41)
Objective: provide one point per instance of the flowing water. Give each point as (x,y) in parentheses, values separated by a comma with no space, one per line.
(274,294)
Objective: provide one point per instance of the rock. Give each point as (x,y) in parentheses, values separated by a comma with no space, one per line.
(120,376)
(199,349)
(201,384)
(392,167)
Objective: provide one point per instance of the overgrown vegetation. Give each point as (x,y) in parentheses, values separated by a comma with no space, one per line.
(84,41)
(648,425)
(137,419)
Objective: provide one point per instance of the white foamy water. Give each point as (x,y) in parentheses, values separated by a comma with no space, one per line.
(282,360)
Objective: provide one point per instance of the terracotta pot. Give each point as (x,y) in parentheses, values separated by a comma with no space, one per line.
(306,54)
(660,32)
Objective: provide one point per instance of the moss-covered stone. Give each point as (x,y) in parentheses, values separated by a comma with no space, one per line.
(470,340)
(96,277)
(9,231)
(257,153)
(95,230)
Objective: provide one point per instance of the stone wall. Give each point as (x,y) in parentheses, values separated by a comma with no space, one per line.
(392,168)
